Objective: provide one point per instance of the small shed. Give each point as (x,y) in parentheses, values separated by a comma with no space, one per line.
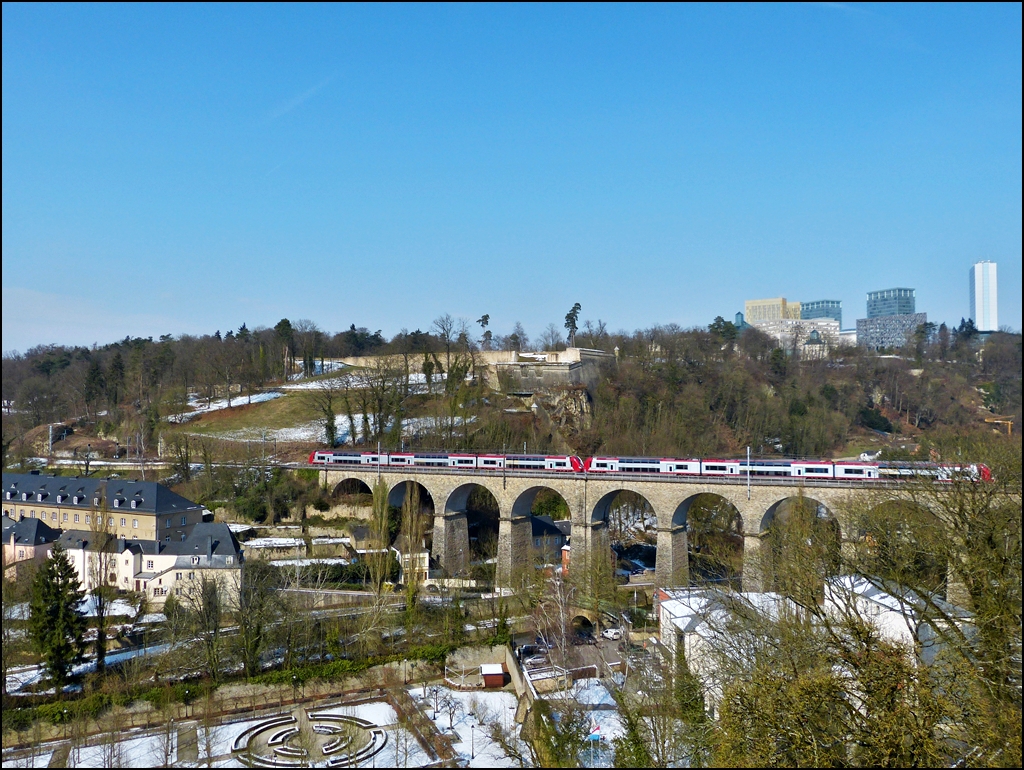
(493,674)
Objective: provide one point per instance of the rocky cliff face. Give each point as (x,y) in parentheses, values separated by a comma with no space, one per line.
(570,411)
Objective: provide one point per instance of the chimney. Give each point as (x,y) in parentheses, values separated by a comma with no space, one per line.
(209,549)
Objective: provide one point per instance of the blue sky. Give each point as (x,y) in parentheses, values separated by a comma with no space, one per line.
(173,169)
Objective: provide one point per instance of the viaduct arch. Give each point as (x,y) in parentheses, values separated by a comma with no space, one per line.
(589,499)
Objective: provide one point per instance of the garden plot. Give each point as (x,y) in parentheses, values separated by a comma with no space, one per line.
(470,727)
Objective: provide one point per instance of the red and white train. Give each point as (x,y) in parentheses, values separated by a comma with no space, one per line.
(807,469)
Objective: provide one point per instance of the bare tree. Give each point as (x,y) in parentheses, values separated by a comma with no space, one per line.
(444,327)
(202,597)
(101,577)
(256,609)
(325,399)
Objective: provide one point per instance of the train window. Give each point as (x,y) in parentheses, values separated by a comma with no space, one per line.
(816,470)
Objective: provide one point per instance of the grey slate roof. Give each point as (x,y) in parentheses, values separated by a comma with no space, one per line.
(206,537)
(29,532)
(148,496)
(543,525)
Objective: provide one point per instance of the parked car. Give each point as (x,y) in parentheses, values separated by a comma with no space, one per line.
(536,660)
(583,637)
(612,633)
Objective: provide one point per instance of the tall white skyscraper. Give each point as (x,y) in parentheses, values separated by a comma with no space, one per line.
(984,306)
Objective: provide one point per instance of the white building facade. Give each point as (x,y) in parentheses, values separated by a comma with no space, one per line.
(984,299)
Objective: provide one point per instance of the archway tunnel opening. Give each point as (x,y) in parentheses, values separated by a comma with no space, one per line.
(905,543)
(632,531)
(352,492)
(411,517)
(714,530)
(800,548)
(550,525)
(482,512)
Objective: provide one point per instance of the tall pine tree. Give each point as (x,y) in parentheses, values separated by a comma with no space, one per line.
(55,624)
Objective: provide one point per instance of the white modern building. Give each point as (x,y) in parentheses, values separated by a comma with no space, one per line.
(984,304)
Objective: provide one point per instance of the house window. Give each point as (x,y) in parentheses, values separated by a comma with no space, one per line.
(183,537)
(167,539)
(76,518)
(177,576)
(536,542)
(134,502)
(167,523)
(53,516)
(149,564)
(95,501)
(21,553)
(184,520)
(75,499)
(65,517)
(117,503)
(88,519)
(230,560)
(191,575)
(195,559)
(110,521)
(32,514)
(135,523)
(124,522)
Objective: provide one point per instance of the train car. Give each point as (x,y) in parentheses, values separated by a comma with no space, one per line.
(601,464)
(720,468)
(335,458)
(813,469)
(490,462)
(561,463)
(855,471)
(689,467)
(766,467)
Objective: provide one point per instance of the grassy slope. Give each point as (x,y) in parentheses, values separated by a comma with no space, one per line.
(290,410)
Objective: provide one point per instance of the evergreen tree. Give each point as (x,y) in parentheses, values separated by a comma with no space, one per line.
(55,624)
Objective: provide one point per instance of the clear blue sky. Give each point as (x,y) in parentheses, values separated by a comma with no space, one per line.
(171,169)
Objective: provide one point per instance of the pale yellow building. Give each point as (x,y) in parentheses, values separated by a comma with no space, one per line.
(133,510)
(761,310)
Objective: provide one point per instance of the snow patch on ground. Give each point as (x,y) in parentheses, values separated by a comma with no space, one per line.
(201,406)
(114,608)
(276,542)
(308,562)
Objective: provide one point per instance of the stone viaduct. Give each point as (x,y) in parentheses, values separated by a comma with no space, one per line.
(589,498)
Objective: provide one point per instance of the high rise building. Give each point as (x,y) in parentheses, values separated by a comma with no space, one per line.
(759,310)
(888,331)
(822,308)
(984,306)
(891,302)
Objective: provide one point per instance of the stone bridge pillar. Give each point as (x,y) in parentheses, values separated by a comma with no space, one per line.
(514,533)
(451,541)
(673,565)
(753,579)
